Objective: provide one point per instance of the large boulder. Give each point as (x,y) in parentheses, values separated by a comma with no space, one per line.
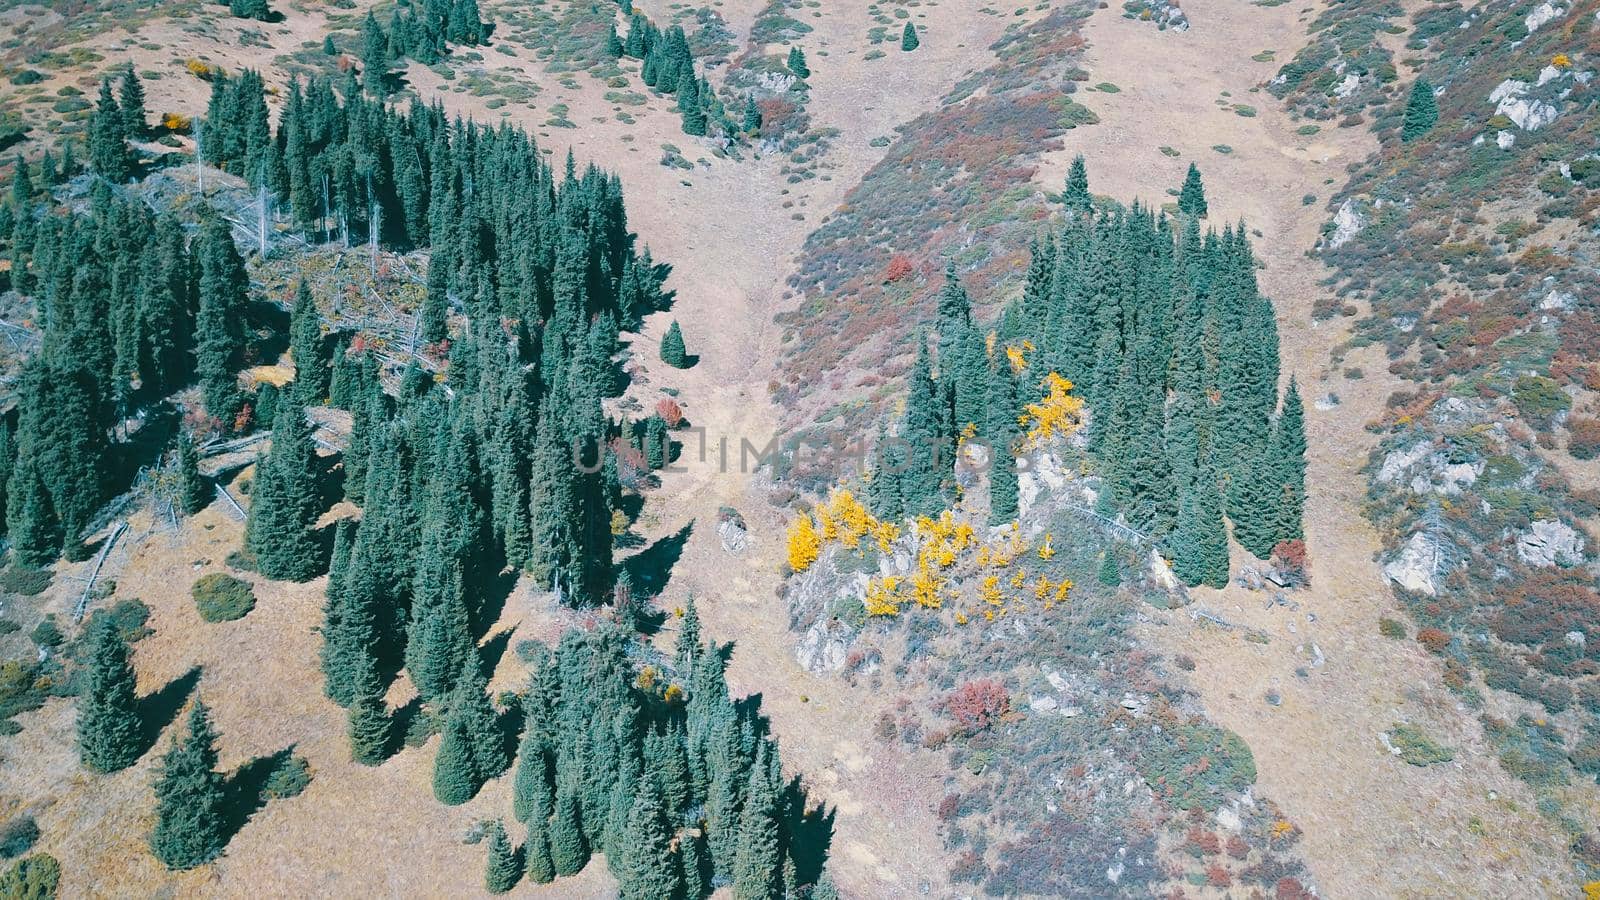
(1417,566)
(1550,543)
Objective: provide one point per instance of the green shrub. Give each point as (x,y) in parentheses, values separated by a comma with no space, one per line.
(47,634)
(288,779)
(1539,398)
(1389,628)
(223,598)
(33,878)
(1197,765)
(1417,748)
(18,836)
(24,580)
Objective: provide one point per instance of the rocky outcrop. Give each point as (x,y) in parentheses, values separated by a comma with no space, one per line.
(1347,223)
(1543,14)
(1512,101)
(1550,543)
(1418,566)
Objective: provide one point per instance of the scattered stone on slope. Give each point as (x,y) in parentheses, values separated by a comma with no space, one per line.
(1550,543)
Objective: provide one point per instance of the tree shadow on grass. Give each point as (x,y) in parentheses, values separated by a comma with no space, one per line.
(492,650)
(652,566)
(488,594)
(810,832)
(158,708)
(245,791)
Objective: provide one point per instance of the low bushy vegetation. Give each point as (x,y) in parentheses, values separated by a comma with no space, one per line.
(222,598)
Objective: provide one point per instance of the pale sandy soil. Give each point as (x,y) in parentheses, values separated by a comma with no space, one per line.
(1372,824)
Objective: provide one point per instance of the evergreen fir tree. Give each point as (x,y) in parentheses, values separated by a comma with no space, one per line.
(536,849)
(1288,456)
(673,351)
(569,851)
(190,823)
(251,9)
(688,646)
(752,115)
(759,856)
(503,869)
(311,373)
(647,868)
(1192,197)
(1422,111)
(194,490)
(1109,573)
(1199,541)
(908,38)
(31,520)
(455,780)
(824,889)
(693,866)
(284,501)
(1003,433)
(109,730)
(131,99)
(1076,195)
(374,56)
(797,63)
(219,329)
(370,725)
(108,143)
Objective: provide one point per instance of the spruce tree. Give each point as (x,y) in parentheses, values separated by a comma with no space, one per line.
(219,328)
(908,38)
(503,869)
(569,851)
(190,823)
(536,849)
(673,351)
(131,99)
(1003,433)
(689,103)
(647,868)
(759,856)
(1422,111)
(455,779)
(108,141)
(1192,197)
(284,501)
(109,730)
(1199,541)
(1288,456)
(194,490)
(371,728)
(311,374)
(752,115)
(797,63)
(1076,194)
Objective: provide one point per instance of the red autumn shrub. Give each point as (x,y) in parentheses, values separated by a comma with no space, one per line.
(1238,847)
(1584,440)
(1217,876)
(1290,557)
(1291,889)
(669,411)
(898,268)
(1200,842)
(1434,640)
(1550,603)
(977,705)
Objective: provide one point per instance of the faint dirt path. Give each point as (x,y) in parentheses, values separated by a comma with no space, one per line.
(1372,824)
